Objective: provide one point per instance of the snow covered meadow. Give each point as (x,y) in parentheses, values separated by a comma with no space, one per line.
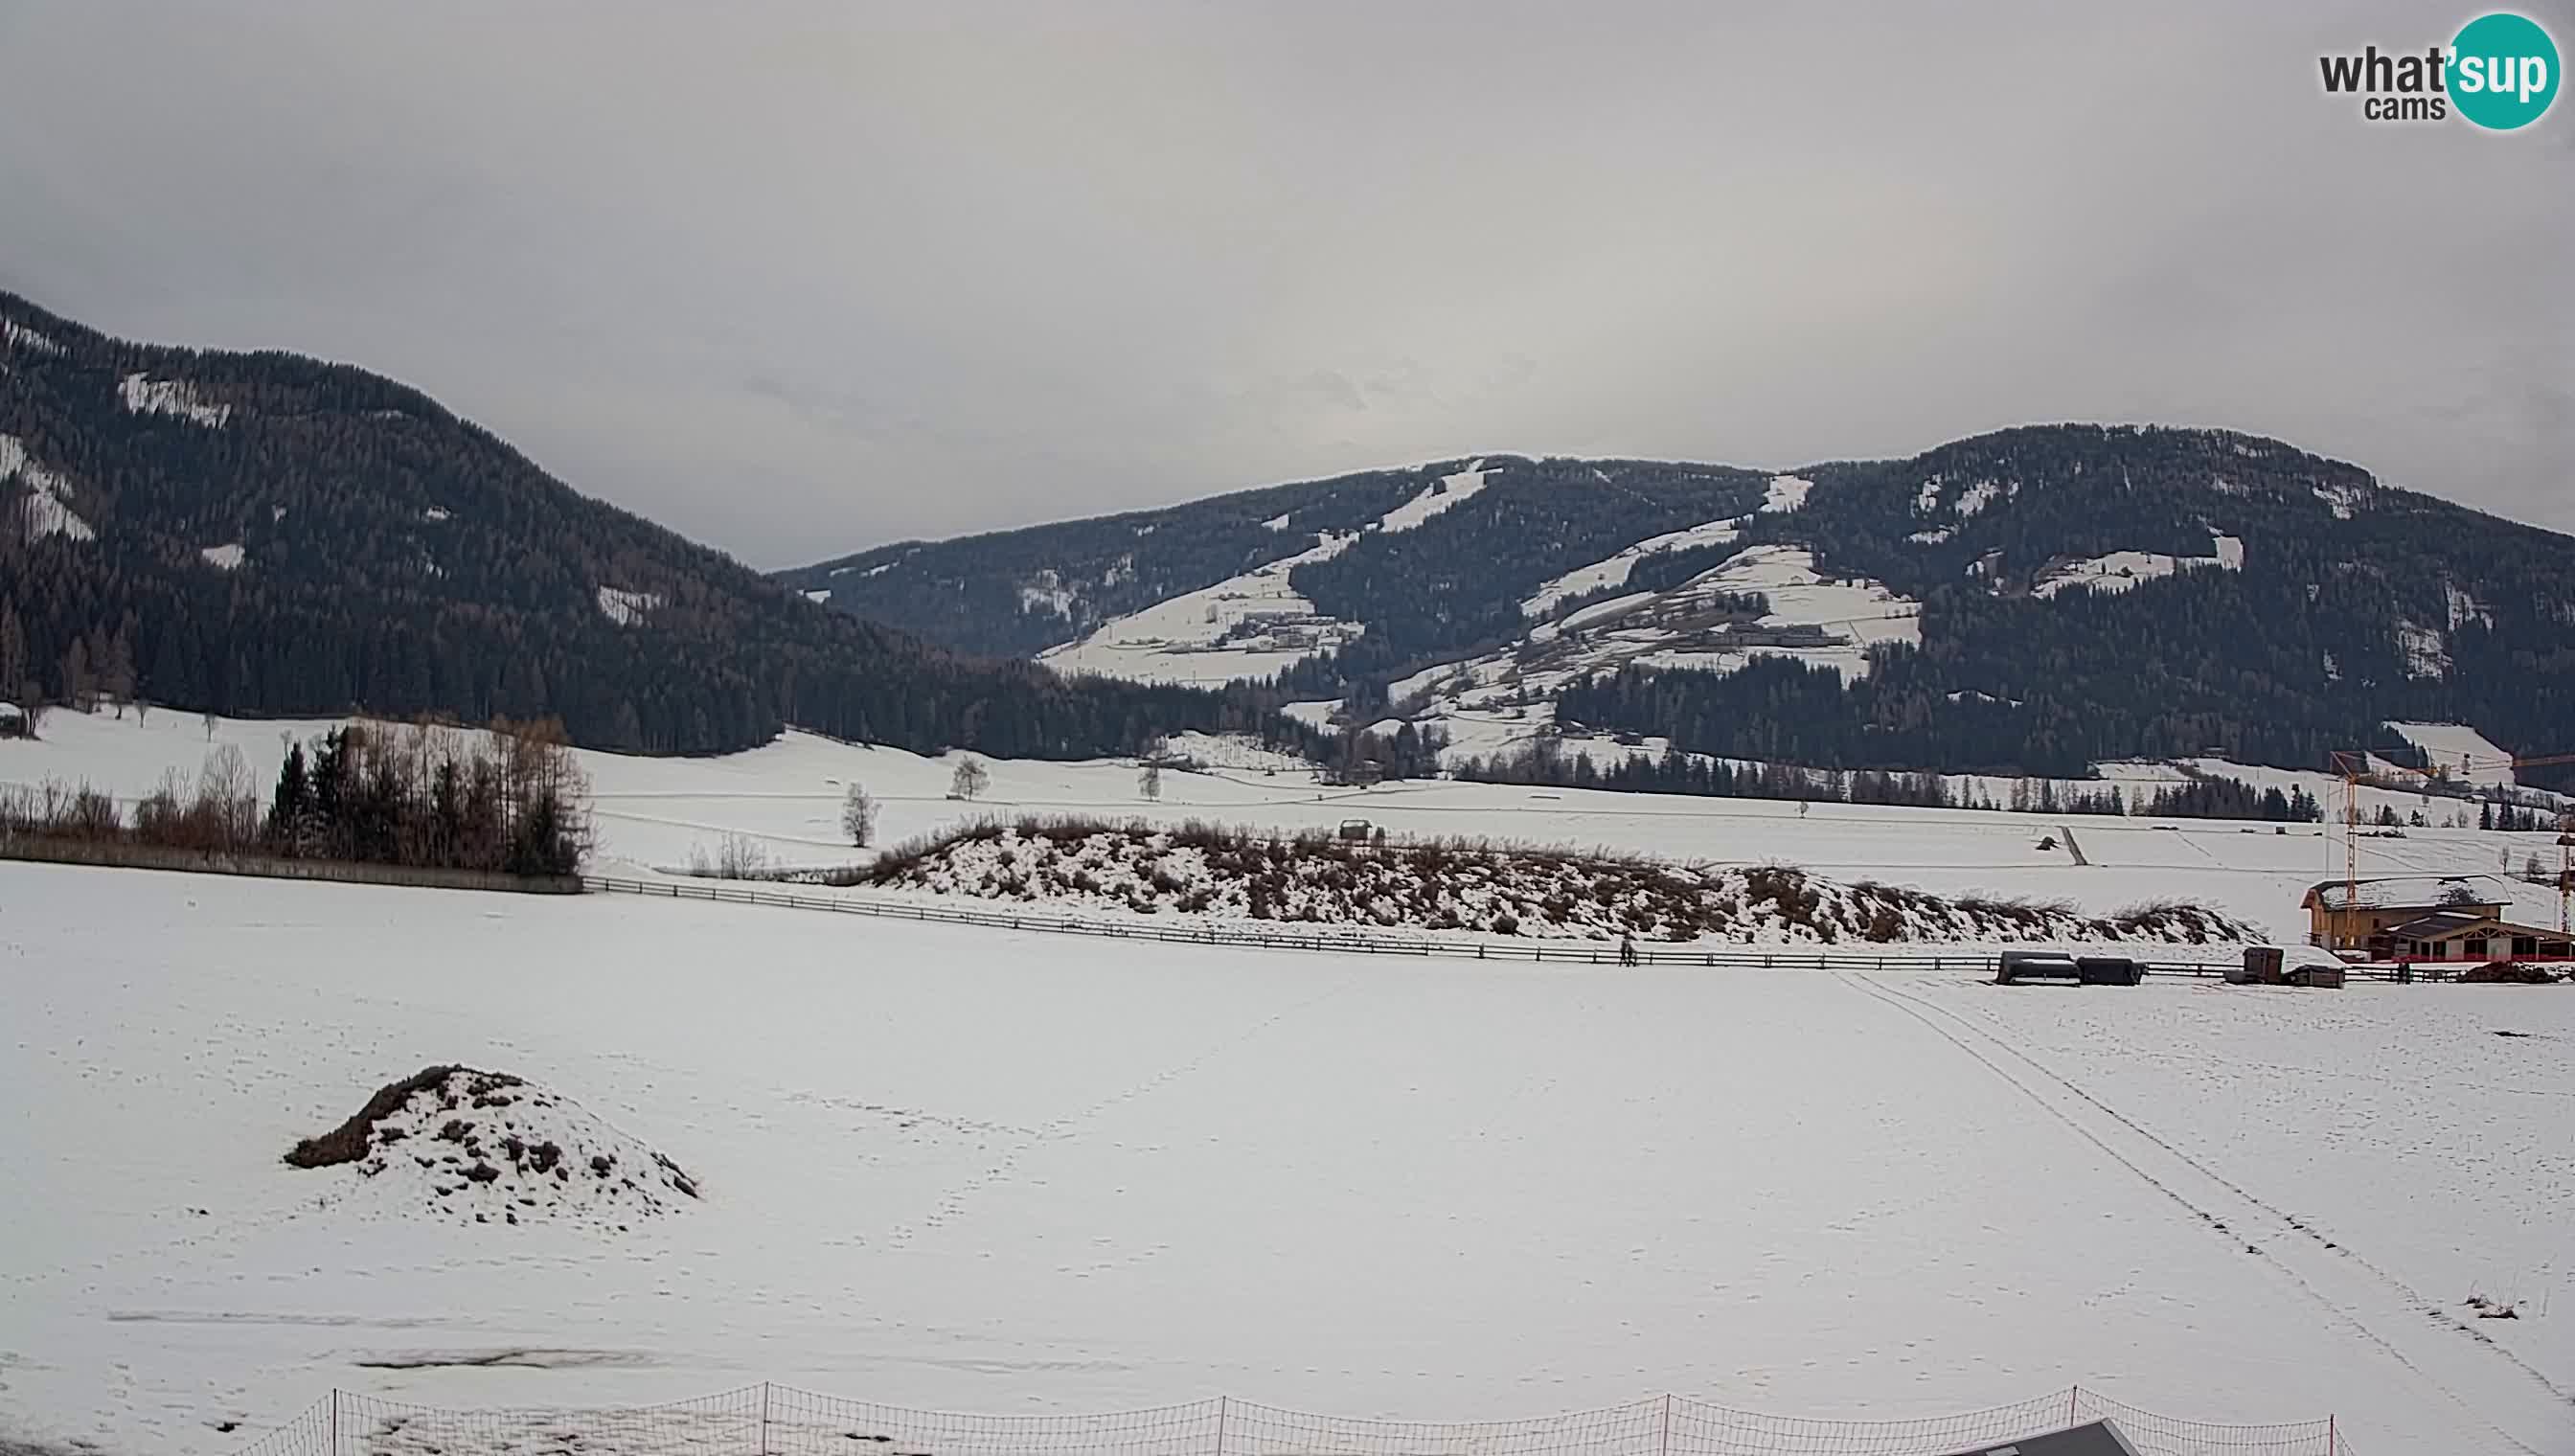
(963,1168)
(783,799)
(948,1166)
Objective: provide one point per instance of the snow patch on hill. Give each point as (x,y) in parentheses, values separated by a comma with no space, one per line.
(1448,494)
(2122,569)
(1046,594)
(18,336)
(2467,756)
(1613,570)
(2426,654)
(145,396)
(465,1146)
(2465,608)
(1496,701)
(818,594)
(224,557)
(2343,500)
(1315,879)
(1785,493)
(1250,625)
(625,608)
(1982,494)
(46,511)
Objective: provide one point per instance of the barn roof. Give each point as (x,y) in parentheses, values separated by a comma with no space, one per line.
(2407,892)
(2451,923)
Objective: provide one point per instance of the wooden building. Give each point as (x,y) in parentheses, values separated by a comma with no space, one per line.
(2374,907)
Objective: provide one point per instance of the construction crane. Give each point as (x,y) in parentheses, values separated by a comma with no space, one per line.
(2356,765)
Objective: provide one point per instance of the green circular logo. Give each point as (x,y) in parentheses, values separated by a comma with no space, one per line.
(2503,70)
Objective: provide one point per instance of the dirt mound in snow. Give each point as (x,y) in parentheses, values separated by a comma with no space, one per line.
(488,1147)
(1316,878)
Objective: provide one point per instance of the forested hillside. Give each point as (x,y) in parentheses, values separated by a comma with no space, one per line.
(270,534)
(2300,606)
(2028,601)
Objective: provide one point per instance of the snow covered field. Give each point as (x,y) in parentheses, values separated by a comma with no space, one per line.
(785,797)
(968,1169)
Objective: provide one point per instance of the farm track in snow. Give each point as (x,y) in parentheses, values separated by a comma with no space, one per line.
(2451,1359)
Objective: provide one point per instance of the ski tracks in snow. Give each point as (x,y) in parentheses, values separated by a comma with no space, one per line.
(2492,1387)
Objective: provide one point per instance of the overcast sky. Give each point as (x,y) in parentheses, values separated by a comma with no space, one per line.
(796,281)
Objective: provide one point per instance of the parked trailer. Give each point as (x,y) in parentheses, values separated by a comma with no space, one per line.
(2022,965)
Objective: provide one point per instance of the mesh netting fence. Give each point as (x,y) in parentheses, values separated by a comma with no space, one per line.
(780,1420)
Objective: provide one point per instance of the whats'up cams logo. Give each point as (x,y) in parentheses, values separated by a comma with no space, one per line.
(2499,72)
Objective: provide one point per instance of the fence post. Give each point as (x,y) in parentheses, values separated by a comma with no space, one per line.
(1664,1438)
(2073,1403)
(335,1421)
(1222,1402)
(764,1418)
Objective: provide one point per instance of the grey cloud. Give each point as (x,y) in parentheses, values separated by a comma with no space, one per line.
(797,279)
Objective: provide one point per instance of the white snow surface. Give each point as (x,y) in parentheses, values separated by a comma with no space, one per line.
(625,608)
(1449,491)
(1250,625)
(45,511)
(15,335)
(964,1170)
(1785,493)
(224,557)
(2469,756)
(146,396)
(2120,570)
(1046,594)
(2343,500)
(818,594)
(2425,651)
(785,798)
(2464,607)
(491,1148)
(1482,702)
(1982,494)
(436,513)
(1613,570)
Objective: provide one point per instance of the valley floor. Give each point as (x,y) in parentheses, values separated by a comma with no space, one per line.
(969,1169)
(783,799)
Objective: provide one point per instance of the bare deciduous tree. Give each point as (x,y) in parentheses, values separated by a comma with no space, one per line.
(1149,782)
(859,817)
(969,780)
(737,857)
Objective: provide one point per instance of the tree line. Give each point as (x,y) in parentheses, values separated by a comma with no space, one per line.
(512,798)
(1545,761)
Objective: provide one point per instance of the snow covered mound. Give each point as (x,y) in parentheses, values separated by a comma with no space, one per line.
(1313,878)
(485,1148)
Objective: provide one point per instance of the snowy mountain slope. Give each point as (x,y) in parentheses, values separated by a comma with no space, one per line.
(264,533)
(2103,592)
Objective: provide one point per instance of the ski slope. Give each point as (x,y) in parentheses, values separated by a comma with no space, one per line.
(967,1170)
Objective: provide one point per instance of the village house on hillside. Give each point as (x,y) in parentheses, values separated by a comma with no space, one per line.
(2425,918)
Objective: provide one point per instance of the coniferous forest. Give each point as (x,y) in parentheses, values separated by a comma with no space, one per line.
(266,534)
